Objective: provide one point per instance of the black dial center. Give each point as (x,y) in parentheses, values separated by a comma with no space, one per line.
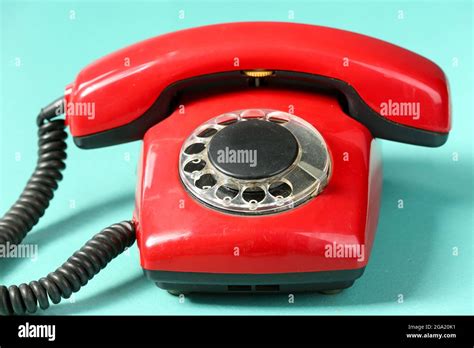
(253,149)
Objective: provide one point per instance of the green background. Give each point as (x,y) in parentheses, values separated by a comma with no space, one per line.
(423,252)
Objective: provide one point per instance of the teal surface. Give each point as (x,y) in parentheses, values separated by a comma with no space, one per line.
(422,261)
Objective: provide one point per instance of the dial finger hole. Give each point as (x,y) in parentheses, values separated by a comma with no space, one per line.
(194,165)
(227,192)
(278,117)
(253,113)
(227,119)
(205,182)
(253,194)
(280,190)
(206,133)
(194,148)
(277,120)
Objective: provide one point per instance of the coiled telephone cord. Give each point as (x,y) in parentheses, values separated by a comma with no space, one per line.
(85,263)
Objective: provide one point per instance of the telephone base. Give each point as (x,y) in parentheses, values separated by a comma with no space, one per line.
(179,289)
(177,283)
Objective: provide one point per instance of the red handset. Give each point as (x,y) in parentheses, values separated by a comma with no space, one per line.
(259,170)
(133,87)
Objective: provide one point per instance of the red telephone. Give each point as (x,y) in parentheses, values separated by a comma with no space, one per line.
(259,170)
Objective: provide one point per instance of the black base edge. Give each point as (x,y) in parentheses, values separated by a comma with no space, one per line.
(195,282)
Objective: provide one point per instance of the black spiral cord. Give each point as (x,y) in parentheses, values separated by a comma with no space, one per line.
(39,190)
(85,263)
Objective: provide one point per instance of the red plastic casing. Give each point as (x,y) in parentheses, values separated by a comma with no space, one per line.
(124,84)
(177,233)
